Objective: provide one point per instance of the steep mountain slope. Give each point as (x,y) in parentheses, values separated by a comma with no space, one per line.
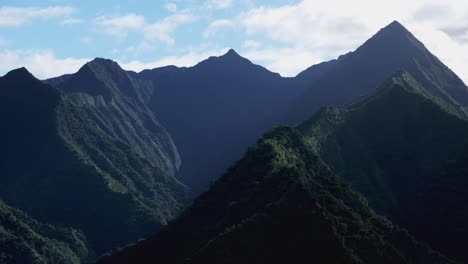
(215,109)
(24,240)
(406,151)
(118,104)
(60,168)
(312,74)
(279,204)
(358,73)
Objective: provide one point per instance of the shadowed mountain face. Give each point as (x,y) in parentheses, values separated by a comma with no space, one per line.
(117,103)
(405,151)
(279,204)
(402,146)
(218,107)
(358,73)
(62,168)
(215,109)
(24,240)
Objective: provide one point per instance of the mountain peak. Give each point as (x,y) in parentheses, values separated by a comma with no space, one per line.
(396,25)
(20,76)
(103,62)
(97,77)
(232,52)
(22,73)
(102,68)
(230,58)
(232,55)
(394,30)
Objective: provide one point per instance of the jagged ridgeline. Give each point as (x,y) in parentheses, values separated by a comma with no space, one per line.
(117,103)
(24,240)
(406,152)
(61,167)
(279,204)
(358,73)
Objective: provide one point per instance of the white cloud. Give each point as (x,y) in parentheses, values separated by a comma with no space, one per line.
(161,30)
(251,44)
(140,48)
(190,58)
(41,63)
(171,7)
(214,26)
(119,26)
(17,16)
(219,4)
(326,30)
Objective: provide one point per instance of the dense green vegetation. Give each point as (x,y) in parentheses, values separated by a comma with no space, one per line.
(358,73)
(24,240)
(404,150)
(62,168)
(279,204)
(91,157)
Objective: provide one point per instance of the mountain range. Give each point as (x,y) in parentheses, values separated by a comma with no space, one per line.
(402,146)
(373,170)
(358,73)
(61,168)
(280,203)
(215,109)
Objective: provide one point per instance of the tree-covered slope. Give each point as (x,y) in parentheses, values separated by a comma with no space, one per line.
(117,103)
(61,168)
(24,240)
(215,109)
(360,72)
(406,152)
(279,204)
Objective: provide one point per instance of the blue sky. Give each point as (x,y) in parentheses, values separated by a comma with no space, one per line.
(58,36)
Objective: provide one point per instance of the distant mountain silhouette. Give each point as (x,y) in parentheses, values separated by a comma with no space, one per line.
(215,109)
(279,204)
(406,152)
(358,73)
(60,167)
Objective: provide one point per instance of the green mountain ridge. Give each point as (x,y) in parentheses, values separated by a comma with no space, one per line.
(77,175)
(280,203)
(24,240)
(405,151)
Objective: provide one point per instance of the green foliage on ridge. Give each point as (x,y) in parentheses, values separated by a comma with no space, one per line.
(405,151)
(24,240)
(61,168)
(279,204)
